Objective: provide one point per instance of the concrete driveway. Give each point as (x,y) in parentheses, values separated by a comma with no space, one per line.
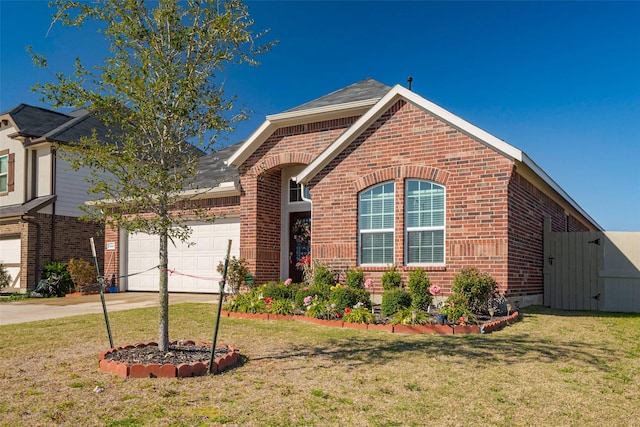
(35,309)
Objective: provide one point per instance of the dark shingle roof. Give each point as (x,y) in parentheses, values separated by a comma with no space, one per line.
(213,171)
(363,90)
(35,121)
(75,128)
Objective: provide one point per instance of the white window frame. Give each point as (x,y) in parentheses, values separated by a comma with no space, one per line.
(376,231)
(299,190)
(5,157)
(408,229)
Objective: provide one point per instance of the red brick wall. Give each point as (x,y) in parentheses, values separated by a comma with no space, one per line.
(408,143)
(261,181)
(528,207)
(493,215)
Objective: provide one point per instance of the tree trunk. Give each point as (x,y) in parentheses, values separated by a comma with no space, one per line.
(163,294)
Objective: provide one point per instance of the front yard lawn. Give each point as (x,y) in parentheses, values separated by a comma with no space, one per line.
(552,368)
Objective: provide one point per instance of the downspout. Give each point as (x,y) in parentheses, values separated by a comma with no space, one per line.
(53,207)
(37,263)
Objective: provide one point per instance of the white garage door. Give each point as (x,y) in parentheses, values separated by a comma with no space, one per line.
(192,267)
(10,257)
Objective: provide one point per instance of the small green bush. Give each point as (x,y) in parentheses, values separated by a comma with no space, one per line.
(359,315)
(58,269)
(474,288)
(391,279)
(355,278)
(246,303)
(281,306)
(344,296)
(410,316)
(455,307)
(323,277)
(322,291)
(5,277)
(237,271)
(421,298)
(278,290)
(393,300)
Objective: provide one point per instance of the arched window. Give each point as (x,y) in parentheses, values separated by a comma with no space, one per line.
(376,224)
(424,223)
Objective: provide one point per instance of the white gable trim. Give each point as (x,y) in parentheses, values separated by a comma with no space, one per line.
(292,118)
(396,93)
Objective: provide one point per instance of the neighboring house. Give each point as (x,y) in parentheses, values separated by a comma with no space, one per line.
(385,177)
(39,195)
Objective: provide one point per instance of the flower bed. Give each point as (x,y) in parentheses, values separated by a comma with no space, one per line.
(397,329)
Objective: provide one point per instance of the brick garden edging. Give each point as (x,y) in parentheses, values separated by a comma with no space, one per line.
(396,329)
(138,370)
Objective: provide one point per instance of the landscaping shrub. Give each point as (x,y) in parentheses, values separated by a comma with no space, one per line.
(391,279)
(355,278)
(474,288)
(82,273)
(410,316)
(323,277)
(358,315)
(237,271)
(281,306)
(456,308)
(246,303)
(343,296)
(58,269)
(278,290)
(393,300)
(323,292)
(5,277)
(421,298)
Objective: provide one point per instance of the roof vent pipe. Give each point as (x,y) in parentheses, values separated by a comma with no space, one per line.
(409,80)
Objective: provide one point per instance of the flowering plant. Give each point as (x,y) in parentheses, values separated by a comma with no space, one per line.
(358,315)
(302,230)
(288,282)
(368,284)
(434,290)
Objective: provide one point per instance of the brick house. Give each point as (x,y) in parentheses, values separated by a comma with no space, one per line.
(39,196)
(385,177)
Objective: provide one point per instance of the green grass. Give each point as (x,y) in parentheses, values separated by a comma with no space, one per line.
(552,368)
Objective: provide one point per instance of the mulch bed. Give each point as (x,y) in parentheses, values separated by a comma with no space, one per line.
(176,355)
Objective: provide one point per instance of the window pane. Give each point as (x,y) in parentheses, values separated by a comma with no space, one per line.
(294,191)
(3,183)
(377,248)
(425,246)
(4,164)
(376,213)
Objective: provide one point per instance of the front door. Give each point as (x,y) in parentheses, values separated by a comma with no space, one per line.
(299,243)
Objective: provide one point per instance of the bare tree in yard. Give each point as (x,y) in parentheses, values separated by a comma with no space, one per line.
(157,91)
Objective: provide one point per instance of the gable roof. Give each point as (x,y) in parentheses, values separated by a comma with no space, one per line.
(353,100)
(371,99)
(212,168)
(33,121)
(360,91)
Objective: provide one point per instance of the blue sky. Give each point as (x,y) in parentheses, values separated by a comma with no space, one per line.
(558,80)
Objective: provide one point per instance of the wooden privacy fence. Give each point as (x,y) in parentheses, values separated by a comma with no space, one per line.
(592,270)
